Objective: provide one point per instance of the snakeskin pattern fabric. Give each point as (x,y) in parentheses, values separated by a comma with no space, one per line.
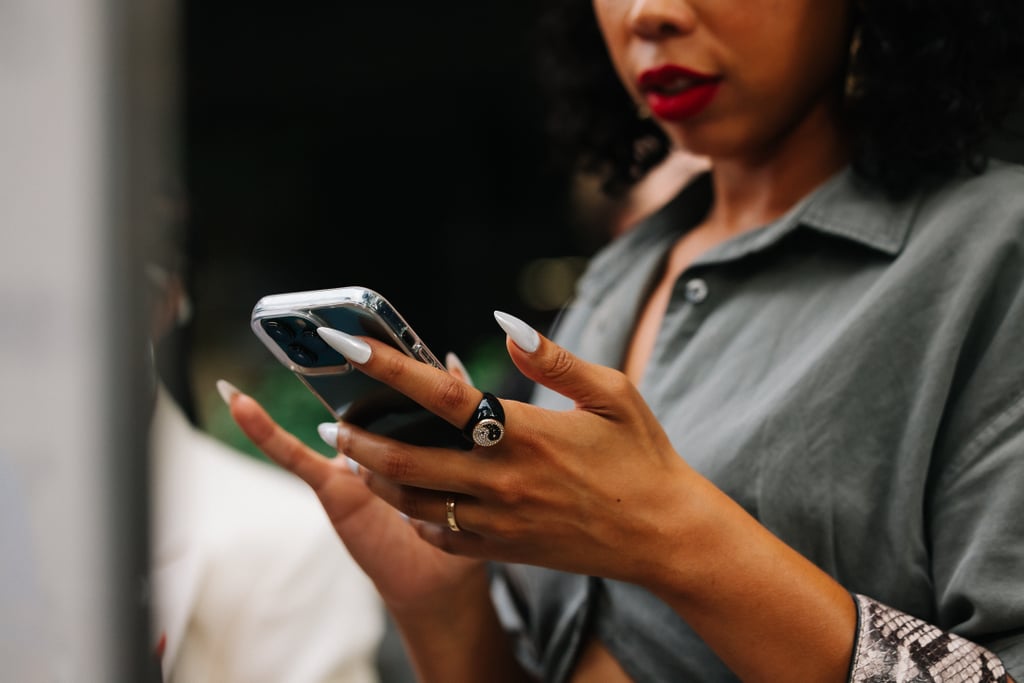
(894,647)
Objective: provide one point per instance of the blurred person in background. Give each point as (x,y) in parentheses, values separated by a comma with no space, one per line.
(778,434)
(249,582)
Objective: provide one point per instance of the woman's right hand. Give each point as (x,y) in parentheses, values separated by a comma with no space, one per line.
(411,575)
(439,601)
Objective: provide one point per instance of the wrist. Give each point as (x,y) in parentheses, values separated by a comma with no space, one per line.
(766,610)
(456,635)
(454,603)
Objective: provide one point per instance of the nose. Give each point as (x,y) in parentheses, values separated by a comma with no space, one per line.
(656,19)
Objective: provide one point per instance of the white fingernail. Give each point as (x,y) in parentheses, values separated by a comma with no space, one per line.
(328,431)
(352,465)
(354,349)
(227,390)
(524,336)
(455,367)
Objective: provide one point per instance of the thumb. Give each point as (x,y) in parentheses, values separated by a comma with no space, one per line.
(545,362)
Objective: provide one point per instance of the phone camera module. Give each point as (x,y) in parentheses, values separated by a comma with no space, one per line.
(299,340)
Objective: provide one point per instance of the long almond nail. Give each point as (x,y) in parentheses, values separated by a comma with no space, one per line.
(353,348)
(524,336)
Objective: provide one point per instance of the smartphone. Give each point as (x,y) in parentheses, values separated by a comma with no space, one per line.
(287,325)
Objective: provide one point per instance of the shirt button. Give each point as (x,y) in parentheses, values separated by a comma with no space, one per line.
(696,290)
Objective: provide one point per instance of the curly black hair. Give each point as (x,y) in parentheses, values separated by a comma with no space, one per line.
(932,81)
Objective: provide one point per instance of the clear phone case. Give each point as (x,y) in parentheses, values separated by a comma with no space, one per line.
(287,324)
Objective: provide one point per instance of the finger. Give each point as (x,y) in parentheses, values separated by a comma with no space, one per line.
(279,445)
(456,368)
(377,538)
(438,391)
(591,386)
(416,503)
(391,462)
(464,543)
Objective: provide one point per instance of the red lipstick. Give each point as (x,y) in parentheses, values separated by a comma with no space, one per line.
(675,93)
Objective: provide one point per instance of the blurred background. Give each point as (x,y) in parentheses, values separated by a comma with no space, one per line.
(253,149)
(399,146)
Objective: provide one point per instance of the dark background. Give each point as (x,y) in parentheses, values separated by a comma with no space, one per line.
(398,146)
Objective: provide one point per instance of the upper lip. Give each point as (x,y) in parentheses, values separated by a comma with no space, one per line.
(672,78)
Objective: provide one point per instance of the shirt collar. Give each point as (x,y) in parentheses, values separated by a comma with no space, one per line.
(842,207)
(847,207)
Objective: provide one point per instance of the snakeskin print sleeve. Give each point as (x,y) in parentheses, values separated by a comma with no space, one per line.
(894,647)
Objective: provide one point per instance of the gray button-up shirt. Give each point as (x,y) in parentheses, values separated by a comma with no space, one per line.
(853,375)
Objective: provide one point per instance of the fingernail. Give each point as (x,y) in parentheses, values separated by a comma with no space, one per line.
(227,390)
(353,466)
(455,367)
(328,431)
(354,349)
(524,336)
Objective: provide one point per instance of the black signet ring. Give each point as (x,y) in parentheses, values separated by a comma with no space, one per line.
(487,426)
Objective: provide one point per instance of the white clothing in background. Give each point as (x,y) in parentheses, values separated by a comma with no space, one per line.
(251,584)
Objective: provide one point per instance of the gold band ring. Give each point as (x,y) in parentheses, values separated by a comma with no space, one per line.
(449,513)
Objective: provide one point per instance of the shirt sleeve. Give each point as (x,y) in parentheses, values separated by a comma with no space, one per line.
(894,647)
(975,497)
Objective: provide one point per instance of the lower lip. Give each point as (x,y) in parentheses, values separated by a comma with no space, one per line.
(681,105)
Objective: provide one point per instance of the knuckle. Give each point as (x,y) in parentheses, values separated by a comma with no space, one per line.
(451,395)
(394,465)
(509,489)
(391,368)
(618,384)
(260,432)
(559,364)
(291,453)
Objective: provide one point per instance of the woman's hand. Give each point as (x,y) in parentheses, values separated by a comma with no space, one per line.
(440,601)
(563,489)
(408,573)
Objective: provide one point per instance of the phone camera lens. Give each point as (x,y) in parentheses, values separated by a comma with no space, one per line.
(279,331)
(311,339)
(315,344)
(301,355)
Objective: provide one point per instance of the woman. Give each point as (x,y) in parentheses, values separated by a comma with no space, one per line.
(779,437)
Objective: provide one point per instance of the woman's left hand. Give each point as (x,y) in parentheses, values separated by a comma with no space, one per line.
(567,490)
(599,490)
